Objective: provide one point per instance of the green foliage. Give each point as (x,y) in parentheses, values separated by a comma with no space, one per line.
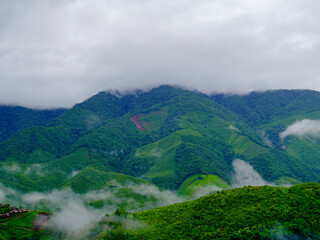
(93,179)
(14,119)
(243,213)
(24,220)
(21,227)
(5,209)
(187,133)
(263,107)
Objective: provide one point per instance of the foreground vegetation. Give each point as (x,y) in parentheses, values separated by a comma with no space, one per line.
(22,226)
(244,213)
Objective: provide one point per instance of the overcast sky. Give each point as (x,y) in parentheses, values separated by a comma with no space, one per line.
(55,53)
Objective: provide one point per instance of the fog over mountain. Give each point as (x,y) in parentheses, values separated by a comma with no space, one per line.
(57,53)
(305,127)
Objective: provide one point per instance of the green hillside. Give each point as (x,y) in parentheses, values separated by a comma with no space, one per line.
(148,149)
(14,119)
(23,226)
(201,184)
(163,136)
(242,213)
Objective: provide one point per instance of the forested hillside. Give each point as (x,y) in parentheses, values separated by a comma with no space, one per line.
(15,118)
(165,136)
(138,151)
(242,213)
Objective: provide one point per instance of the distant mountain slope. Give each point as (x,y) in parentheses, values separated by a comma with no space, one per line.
(164,136)
(271,112)
(15,118)
(264,107)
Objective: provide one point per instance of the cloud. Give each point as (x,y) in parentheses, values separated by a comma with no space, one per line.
(55,53)
(71,213)
(205,190)
(303,128)
(33,169)
(265,138)
(233,128)
(11,169)
(2,195)
(74,218)
(244,175)
(74,173)
(9,195)
(164,197)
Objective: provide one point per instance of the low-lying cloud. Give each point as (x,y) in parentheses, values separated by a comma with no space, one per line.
(74,214)
(303,128)
(33,169)
(265,138)
(233,128)
(2,195)
(205,190)
(245,175)
(74,218)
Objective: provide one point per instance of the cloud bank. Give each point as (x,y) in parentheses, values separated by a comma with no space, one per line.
(245,175)
(55,53)
(303,128)
(73,214)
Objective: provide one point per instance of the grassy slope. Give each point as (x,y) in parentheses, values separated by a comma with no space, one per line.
(192,184)
(245,213)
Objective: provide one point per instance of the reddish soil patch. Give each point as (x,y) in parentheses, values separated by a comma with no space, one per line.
(41,221)
(137,121)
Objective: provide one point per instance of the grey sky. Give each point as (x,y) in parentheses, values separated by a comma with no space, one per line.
(55,53)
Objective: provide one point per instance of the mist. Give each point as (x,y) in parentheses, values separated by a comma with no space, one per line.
(303,128)
(72,213)
(265,138)
(74,218)
(245,175)
(2,196)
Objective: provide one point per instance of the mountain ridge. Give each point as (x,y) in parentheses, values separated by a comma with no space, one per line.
(186,133)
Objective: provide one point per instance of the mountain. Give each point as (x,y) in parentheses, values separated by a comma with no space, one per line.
(173,138)
(263,212)
(272,112)
(242,213)
(16,118)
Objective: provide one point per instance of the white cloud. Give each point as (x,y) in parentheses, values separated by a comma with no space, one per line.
(11,169)
(265,138)
(2,195)
(56,53)
(244,175)
(233,128)
(74,218)
(303,128)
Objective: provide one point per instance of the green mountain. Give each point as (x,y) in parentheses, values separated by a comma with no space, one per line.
(271,112)
(241,213)
(15,118)
(168,137)
(144,150)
